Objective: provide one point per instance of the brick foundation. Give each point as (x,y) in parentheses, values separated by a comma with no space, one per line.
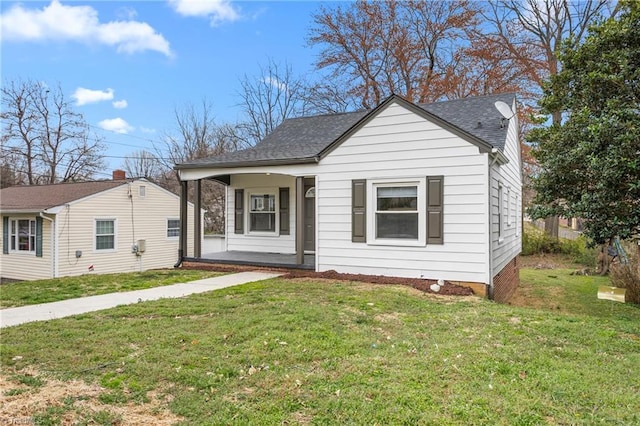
(506,281)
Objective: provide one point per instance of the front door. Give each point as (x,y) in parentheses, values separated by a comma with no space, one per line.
(309,215)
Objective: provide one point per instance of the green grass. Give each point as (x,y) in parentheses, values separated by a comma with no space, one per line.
(52,290)
(301,352)
(558,290)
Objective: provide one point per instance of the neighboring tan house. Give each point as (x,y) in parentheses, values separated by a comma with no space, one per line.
(120,225)
(424,191)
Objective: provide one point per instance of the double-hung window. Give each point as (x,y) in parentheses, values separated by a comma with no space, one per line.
(105,234)
(23,235)
(399,212)
(262,212)
(173,228)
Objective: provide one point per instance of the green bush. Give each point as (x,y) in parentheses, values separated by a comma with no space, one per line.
(536,242)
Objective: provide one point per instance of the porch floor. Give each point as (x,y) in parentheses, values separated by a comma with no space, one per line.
(274,260)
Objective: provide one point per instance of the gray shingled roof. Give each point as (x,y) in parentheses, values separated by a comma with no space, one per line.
(33,198)
(300,140)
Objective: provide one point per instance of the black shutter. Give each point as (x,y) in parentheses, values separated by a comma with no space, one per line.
(5,234)
(239,212)
(38,236)
(359,211)
(435,199)
(284,211)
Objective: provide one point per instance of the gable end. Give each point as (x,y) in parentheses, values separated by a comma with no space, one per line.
(483,146)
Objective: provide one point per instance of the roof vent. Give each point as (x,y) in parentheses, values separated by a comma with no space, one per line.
(119,175)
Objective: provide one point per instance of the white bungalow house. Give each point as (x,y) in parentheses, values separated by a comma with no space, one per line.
(424,191)
(120,225)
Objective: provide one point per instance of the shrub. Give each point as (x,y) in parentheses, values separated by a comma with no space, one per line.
(627,275)
(535,242)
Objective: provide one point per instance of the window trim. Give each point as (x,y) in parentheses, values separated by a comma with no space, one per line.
(173,237)
(421,186)
(95,235)
(13,236)
(509,210)
(500,212)
(271,191)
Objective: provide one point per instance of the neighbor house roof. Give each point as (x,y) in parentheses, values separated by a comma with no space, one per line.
(30,198)
(308,139)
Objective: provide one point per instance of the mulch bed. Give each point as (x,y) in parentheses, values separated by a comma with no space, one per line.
(447,289)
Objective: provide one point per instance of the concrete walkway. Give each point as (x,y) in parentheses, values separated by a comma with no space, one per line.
(66,308)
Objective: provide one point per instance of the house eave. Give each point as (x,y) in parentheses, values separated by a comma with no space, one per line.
(247,163)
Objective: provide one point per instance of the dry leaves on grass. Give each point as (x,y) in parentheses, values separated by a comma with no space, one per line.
(26,402)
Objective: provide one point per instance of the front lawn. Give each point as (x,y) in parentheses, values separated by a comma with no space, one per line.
(308,351)
(52,290)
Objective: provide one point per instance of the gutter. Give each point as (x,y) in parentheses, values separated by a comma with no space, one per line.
(248,163)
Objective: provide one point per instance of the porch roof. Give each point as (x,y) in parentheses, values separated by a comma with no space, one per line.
(307,139)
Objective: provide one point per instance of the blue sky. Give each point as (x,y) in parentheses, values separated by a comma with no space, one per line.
(126,65)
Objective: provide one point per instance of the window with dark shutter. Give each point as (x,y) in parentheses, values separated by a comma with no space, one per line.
(239,211)
(38,236)
(359,211)
(284,211)
(435,199)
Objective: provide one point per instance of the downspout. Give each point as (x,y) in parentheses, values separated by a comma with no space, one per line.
(54,243)
(183,223)
(494,151)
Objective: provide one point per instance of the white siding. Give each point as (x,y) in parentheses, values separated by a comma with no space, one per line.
(400,144)
(260,243)
(137,218)
(27,266)
(509,175)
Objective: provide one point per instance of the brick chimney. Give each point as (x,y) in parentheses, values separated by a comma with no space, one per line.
(119,175)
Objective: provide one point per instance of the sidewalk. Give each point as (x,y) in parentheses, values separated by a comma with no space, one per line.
(66,308)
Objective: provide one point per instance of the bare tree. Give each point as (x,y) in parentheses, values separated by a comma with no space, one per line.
(50,141)
(142,164)
(268,99)
(197,136)
(386,47)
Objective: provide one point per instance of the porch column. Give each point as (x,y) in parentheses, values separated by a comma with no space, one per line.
(299,220)
(184,188)
(197,223)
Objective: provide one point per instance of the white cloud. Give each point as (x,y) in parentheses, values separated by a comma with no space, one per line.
(275,83)
(217,11)
(117,125)
(87,96)
(121,104)
(57,22)
(147,130)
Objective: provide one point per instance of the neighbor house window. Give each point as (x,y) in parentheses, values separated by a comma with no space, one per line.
(398,212)
(262,212)
(105,234)
(142,191)
(173,228)
(23,235)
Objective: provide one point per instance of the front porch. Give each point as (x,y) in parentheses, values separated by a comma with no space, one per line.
(248,258)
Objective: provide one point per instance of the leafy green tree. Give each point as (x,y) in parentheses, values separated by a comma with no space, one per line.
(590,161)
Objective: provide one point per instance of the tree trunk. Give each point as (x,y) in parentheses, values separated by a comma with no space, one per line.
(551,226)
